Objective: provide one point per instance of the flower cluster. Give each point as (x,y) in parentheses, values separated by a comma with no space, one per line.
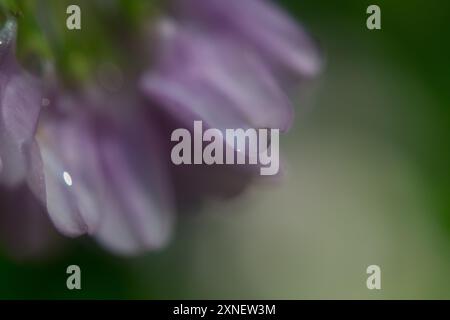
(96,159)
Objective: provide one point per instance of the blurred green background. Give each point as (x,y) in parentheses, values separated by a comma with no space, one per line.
(367,182)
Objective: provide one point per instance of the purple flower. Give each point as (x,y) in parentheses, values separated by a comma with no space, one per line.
(230,64)
(99,163)
(102,180)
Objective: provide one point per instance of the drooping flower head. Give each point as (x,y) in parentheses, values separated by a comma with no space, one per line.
(96,158)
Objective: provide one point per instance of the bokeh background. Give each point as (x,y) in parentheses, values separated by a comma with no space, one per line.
(367,182)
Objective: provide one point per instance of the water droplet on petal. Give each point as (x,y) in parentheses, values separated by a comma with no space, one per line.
(67,178)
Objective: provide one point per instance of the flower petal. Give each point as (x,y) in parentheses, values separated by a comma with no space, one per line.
(102,179)
(20,103)
(71,169)
(198,77)
(138,198)
(262,25)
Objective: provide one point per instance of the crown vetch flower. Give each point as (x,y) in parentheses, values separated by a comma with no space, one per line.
(100,164)
(230,64)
